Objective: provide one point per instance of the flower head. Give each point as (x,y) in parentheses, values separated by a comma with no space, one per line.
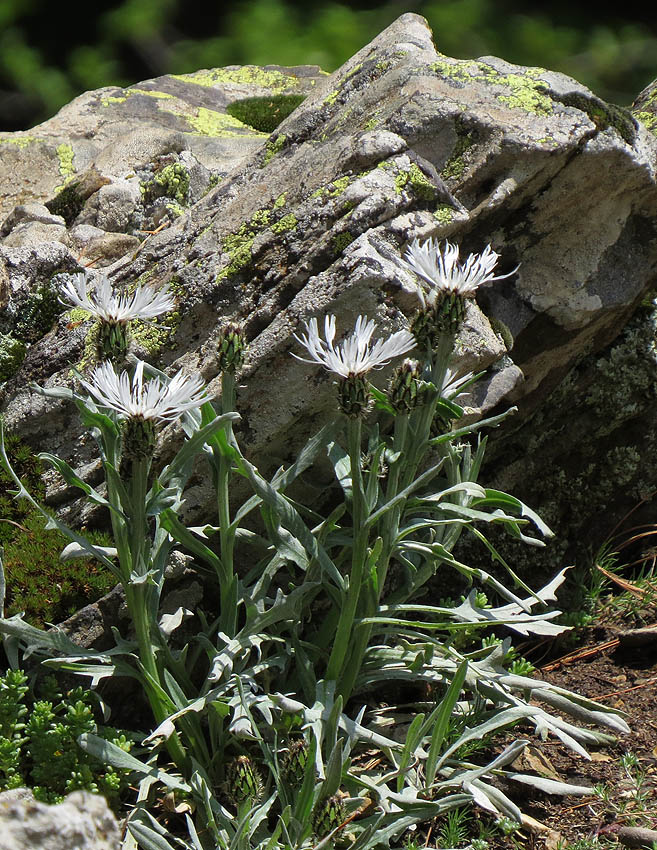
(144,303)
(147,400)
(356,354)
(441,272)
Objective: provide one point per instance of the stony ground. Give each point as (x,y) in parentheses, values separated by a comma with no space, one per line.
(602,667)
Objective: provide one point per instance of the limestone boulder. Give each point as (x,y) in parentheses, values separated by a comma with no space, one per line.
(400,142)
(82,822)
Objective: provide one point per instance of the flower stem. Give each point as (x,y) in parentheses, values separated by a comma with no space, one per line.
(227,589)
(344,634)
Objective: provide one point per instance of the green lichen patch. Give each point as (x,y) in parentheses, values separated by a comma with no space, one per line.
(280,201)
(20,142)
(158,95)
(525,90)
(330,99)
(66,167)
(264,113)
(416,180)
(648,119)
(458,161)
(444,214)
(208,122)
(245,75)
(335,188)
(288,222)
(274,146)
(172,181)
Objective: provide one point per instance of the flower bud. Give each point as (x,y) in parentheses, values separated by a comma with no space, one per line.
(231,348)
(328,815)
(138,439)
(405,392)
(444,317)
(295,761)
(243,780)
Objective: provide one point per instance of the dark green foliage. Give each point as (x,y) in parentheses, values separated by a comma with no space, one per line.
(12,354)
(47,589)
(264,113)
(37,314)
(38,742)
(68,203)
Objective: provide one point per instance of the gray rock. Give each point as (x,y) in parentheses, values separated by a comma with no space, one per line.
(29,212)
(29,233)
(401,142)
(114,207)
(82,822)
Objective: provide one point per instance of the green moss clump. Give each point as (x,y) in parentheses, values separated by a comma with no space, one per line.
(38,583)
(456,164)
(38,313)
(12,354)
(341,241)
(603,115)
(45,588)
(264,113)
(68,202)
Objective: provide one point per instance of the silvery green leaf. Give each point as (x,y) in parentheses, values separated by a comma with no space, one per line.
(493,800)
(551,786)
(170,622)
(499,720)
(75,550)
(470,488)
(109,753)
(148,838)
(601,718)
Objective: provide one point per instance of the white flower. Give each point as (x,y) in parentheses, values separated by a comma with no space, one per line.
(144,303)
(355,355)
(441,271)
(136,399)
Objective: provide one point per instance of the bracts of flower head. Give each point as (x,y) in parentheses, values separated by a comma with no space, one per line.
(443,284)
(353,358)
(141,405)
(231,348)
(115,312)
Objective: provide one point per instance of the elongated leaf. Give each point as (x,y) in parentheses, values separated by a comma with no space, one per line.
(291,520)
(551,786)
(401,497)
(71,477)
(109,753)
(148,838)
(504,500)
(305,458)
(441,717)
(194,444)
(341,466)
(413,739)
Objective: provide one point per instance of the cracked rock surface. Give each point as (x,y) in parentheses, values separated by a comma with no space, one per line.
(270,229)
